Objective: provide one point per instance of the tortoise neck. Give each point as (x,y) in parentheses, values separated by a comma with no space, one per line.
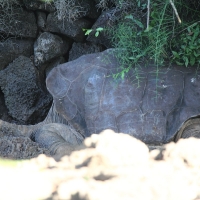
(54,117)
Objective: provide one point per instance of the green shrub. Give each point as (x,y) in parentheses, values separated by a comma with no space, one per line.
(129,38)
(139,44)
(144,40)
(187,46)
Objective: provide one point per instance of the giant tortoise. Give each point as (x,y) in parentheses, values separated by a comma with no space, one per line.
(155,106)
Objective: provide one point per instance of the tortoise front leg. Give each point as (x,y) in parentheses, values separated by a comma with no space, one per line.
(191,128)
(59,139)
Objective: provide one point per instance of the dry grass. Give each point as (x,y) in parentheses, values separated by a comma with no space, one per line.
(9,10)
(69,9)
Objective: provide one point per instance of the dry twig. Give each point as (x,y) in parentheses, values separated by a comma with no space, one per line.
(175,10)
(148,14)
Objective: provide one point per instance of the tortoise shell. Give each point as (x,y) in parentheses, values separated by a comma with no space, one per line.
(149,104)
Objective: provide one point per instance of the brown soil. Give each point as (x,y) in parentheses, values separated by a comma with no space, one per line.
(19,147)
(109,166)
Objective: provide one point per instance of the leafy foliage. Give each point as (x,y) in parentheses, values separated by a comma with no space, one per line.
(128,39)
(97,31)
(188,46)
(143,40)
(140,44)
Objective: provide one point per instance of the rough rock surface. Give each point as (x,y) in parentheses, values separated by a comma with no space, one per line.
(3,109)
(39,5)
(19,147)
(79,49)
(41,20)
(94,11)
(76,9)
(18,23)
(47,47)
(23,97)
(104,21)
(70,29)
(108,166)
(13,48)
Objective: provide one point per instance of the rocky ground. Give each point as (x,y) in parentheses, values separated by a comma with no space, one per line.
(108,166)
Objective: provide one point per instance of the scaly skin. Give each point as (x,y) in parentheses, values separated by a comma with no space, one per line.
(191,128)
(53,133)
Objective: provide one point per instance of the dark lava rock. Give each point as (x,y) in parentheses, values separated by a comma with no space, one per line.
(13,48)
(79,49)
(24,99)
(70,29)
(18,22)
(47,47)
(39,5)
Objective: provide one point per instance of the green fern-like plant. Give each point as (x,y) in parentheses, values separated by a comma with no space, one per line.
(140,45)
(129,40)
